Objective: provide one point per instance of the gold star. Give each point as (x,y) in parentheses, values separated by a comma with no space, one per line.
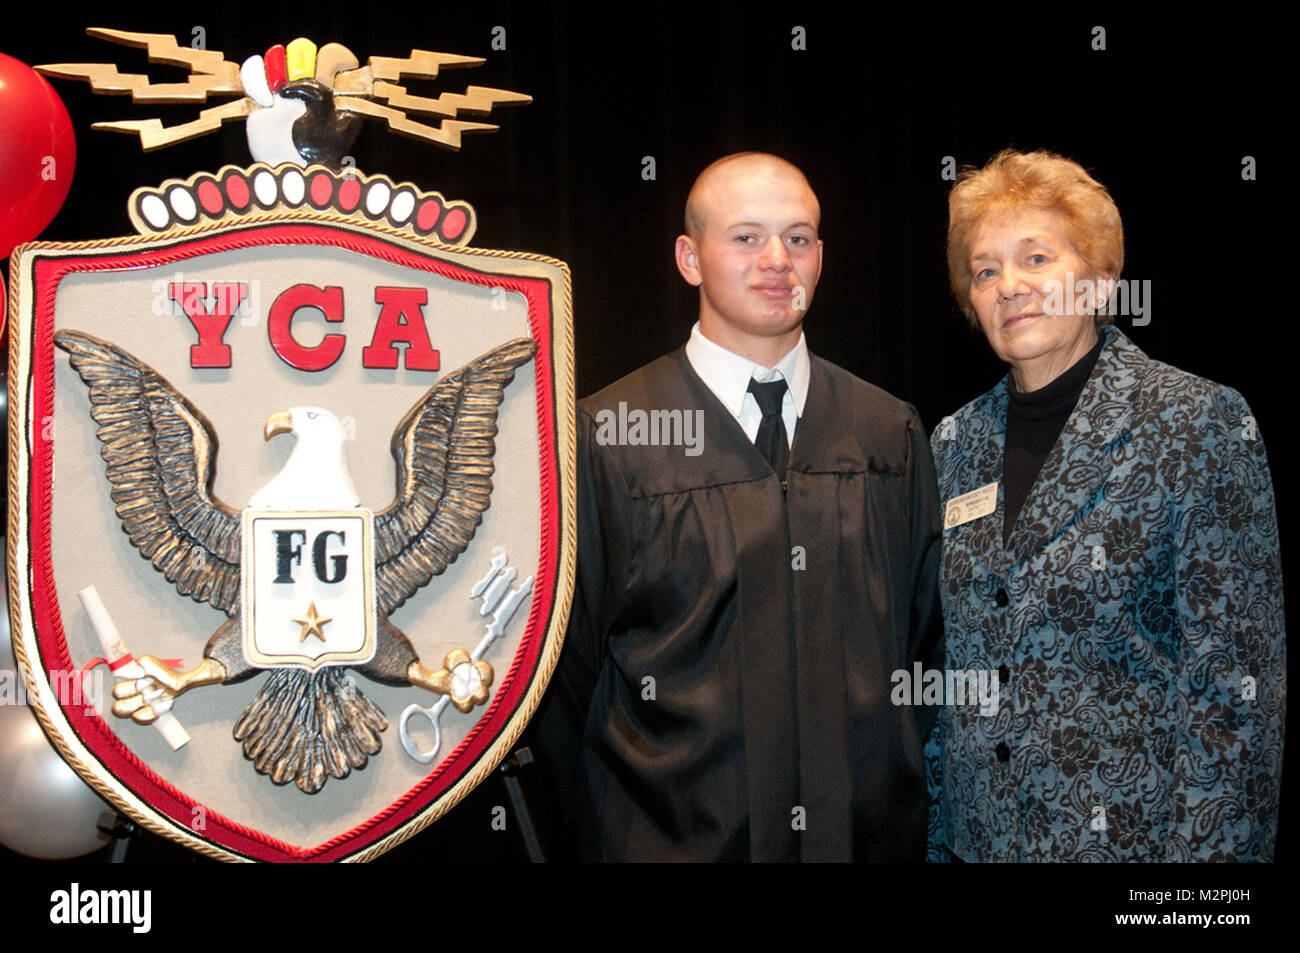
(311,623)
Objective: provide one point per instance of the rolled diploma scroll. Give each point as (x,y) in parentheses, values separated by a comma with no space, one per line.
(124,666)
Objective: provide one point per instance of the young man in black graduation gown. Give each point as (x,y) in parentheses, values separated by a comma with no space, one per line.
(743,598)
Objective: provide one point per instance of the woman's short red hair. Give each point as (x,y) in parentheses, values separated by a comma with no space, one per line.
(1015,182)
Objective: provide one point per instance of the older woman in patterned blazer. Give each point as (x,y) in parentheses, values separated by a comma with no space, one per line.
(1110,557)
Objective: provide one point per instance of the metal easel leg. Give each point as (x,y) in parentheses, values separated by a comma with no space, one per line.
(510,768)
(121,830)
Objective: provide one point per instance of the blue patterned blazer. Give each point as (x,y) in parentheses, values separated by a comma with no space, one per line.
(1135,619)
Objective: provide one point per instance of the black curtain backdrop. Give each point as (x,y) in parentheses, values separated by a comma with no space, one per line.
(1164,116)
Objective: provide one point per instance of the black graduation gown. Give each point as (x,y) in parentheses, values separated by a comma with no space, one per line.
(724,689)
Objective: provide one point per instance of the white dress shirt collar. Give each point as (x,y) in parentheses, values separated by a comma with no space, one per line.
(728,376)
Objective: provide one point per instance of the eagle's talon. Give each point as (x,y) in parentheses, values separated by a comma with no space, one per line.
(174,682)
(437,682)
(136,698)
(464,681)
(468,680)
(440,682)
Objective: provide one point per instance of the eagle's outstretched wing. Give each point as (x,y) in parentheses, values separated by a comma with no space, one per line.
(161,455)
(444,449)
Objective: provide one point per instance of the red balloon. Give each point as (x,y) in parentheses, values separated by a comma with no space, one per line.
(38,153)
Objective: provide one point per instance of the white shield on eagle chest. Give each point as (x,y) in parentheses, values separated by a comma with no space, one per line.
(308,595)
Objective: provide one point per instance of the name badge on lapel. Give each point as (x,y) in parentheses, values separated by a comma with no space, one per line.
(971,506)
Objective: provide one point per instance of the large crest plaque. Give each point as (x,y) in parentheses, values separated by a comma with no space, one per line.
(291,532)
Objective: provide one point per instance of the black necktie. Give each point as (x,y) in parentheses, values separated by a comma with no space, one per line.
(771,440)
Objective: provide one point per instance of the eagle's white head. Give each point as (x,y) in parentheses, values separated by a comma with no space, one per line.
(315,477)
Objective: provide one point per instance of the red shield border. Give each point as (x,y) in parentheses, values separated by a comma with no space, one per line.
(40,644)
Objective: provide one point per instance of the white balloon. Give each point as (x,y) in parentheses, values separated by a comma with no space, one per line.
(46,810)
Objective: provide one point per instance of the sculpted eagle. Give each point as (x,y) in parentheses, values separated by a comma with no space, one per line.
(161,454)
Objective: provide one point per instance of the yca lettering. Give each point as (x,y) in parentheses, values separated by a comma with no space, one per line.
(399,320)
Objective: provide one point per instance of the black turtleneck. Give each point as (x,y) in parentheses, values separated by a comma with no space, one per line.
(1034,422)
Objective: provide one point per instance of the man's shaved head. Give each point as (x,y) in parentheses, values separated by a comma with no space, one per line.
(751,247)
(728,169)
